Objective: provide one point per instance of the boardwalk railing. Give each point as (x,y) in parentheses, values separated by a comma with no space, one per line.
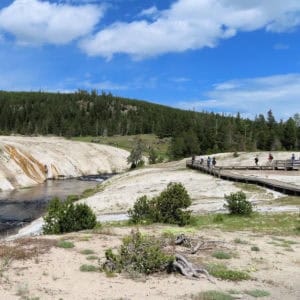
(226,174)
(286,164)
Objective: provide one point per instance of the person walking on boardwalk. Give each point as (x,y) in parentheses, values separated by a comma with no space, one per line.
(270,158)
(193,159)
(214,162)
(293,158)
(208,162)
(256,160)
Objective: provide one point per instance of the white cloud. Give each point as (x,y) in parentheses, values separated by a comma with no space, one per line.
(37,22)
(253,96)
(192,24)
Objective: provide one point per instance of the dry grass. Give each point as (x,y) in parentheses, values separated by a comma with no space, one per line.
(25,248)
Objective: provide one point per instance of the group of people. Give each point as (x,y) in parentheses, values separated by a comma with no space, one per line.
(210,162)
(270,159)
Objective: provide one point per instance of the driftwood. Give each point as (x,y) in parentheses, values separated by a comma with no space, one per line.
(187,269)
(201,245)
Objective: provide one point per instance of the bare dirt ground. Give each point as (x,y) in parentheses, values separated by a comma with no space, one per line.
(55,274)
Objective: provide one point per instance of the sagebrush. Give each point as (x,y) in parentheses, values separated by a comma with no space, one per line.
(237,204)
(67,217)
(138,253)
(169,207)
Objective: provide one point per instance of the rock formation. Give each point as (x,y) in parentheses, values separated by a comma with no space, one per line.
(26,161)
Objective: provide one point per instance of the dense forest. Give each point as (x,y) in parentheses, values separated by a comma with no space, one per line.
(87,113)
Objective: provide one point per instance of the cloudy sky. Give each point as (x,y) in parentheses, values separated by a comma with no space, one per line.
(213,55)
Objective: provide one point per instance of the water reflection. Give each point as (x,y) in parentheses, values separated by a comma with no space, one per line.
(24,205)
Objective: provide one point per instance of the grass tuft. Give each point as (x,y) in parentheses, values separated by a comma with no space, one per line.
(65,244)
(239,241)
(257,293)
(87,252)
(212,295)
(221,255)
(88,268)
(92,257)
(222,272)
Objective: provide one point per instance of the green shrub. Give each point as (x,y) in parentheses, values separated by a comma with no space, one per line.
(237,204)
(142,210)
(166,208)
(255,248)
(153,156)
(142,254)
(235,154)
(67,217)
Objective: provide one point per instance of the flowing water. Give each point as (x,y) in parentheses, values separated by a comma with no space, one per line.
(19,207)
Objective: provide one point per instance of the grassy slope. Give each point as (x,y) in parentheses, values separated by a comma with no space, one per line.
(127,142)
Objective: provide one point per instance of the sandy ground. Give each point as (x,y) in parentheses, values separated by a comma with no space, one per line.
(56,274)
(23,160)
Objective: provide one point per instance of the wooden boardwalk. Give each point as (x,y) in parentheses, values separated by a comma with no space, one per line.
(226,174)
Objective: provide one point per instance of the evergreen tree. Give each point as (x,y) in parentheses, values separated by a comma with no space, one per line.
(136,155)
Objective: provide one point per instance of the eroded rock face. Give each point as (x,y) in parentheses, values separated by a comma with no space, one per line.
(26,161)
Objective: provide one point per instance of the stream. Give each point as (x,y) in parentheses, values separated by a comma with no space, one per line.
(20,207)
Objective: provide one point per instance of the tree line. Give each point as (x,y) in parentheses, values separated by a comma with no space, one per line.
(88,113)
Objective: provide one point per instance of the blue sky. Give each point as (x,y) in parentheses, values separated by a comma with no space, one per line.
(213,55)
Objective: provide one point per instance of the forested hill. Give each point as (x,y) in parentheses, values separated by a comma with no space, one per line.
(83,113)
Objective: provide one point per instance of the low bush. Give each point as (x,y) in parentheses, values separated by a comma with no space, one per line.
(165,208)
(67,217)
(222,272)
(138,253)
(237,204)
(255,248)
(143,210)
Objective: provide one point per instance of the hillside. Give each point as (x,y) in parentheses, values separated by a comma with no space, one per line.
(83,113)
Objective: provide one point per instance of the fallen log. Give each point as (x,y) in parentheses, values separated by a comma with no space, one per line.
(187,269)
